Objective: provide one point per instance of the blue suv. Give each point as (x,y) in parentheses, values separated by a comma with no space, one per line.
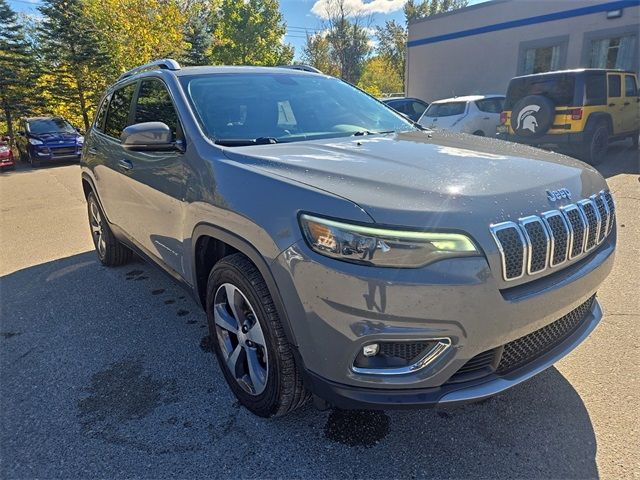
(47,139)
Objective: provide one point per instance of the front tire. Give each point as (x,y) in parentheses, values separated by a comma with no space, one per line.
(110,251)
(249,340)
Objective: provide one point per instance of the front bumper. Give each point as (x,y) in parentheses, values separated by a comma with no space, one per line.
(349,397)
(45,153)
(335,308)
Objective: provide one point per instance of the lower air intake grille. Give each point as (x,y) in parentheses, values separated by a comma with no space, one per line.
(524,349)
(527,348)
(406,351)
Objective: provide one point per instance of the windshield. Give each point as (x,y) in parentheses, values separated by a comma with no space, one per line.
(445,109)
(244,109)
(50,125)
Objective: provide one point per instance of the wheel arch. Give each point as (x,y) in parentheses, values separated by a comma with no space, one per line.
(597,117)
(210,244)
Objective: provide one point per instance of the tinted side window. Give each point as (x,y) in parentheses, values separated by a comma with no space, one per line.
(490,105)
(118,113)
(98,124)
(596,86)
(615,88)
(418,108)
(630,87)
(154,105)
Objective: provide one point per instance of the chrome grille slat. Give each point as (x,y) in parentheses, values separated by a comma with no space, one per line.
(612,209)
(560,237)
(603,209)
(534,244)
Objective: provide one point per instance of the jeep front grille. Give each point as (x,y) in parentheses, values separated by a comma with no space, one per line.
(535,243)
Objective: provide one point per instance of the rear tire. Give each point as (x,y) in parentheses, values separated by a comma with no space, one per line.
(479,133)
(596,145)
(110,251)
(265,377)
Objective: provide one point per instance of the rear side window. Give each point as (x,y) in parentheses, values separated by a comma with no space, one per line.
(418,108)
(596,86)
(154,104)
(98,124)
(118,113)
(559,88)
(446,109)
(490,105)
(630,87)
(615,88)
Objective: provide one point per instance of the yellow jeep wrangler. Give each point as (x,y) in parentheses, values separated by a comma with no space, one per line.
(575,111)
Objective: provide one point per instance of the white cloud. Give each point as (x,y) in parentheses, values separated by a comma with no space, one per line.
(358,7)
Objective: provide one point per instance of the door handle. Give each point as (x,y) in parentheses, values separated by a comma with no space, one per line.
(125,164)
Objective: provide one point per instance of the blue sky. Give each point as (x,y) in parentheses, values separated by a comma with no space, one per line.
(298,14)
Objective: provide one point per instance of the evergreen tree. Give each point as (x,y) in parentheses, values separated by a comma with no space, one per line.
(199,36)
(73,55)
(18,70)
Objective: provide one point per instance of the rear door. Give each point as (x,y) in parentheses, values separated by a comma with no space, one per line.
(615,101)
(631,105)
(156,182)
(489,110)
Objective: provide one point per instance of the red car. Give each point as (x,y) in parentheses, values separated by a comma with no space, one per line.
(6,156)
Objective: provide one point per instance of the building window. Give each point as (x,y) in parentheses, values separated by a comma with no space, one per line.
(541,59)
(614,52)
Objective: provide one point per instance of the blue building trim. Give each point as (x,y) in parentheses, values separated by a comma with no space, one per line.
(576,12)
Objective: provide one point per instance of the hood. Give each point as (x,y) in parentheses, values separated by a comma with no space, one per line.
(437,178)
(56,137)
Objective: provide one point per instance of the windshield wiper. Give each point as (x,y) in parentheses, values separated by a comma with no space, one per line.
(243,142)
(361,133)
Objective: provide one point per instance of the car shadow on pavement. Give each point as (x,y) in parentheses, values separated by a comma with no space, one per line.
(106,372)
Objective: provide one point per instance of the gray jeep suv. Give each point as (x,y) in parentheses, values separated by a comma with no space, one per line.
(340,251)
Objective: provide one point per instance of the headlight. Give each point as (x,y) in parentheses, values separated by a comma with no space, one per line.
(35,141)
(382,247)
(80,140)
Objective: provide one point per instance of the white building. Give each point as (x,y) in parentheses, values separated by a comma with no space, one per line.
(478,49)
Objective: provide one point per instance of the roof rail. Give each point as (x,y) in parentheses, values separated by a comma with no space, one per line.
(301,66)
(165,63)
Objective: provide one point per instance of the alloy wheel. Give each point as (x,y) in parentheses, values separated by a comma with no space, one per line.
(241,339)
(97,229)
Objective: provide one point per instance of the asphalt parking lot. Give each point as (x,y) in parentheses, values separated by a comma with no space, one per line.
(105,373)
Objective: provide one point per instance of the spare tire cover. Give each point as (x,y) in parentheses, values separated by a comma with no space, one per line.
(532,116)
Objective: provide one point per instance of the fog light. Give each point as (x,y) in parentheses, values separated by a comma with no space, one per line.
(370,350)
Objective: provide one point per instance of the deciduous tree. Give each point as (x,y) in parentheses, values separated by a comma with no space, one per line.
(392,46)
(380,78)
(348,37)
(250,32)
(317,53)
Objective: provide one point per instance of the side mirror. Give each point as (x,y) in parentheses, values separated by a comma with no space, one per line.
(148,137)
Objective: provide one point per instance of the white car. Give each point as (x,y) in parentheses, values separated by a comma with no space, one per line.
(475,114)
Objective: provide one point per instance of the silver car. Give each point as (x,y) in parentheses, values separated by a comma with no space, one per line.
(340,251)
